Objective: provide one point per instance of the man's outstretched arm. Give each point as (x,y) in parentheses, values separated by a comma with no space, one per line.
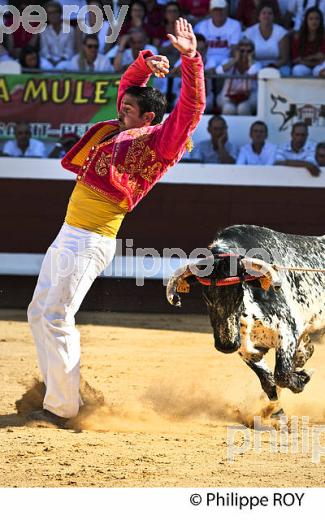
(180,124)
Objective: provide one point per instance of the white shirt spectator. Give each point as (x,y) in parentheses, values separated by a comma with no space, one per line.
(35,149)
(127,57)
(266,51)
(55,46)
(248,156)
(299,7)
(220,39)
(205,153)
(101,64)
(45,64)
(307,153)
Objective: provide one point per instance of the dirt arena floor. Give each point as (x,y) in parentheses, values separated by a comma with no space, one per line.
(159,414)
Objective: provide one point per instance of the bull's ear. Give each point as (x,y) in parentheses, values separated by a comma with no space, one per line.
(179,282)
(271,276)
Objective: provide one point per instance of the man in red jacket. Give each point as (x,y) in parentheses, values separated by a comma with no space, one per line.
(117,162)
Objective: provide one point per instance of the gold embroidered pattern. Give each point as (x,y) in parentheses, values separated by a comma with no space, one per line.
(103,164)
(140,161)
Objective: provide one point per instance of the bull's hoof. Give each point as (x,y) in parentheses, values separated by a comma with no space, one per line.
(299,380)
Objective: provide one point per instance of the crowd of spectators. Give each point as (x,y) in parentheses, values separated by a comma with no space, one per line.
(284,34)
(237,38)
(299,152)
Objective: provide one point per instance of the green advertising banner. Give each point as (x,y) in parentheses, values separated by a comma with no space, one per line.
(56,105)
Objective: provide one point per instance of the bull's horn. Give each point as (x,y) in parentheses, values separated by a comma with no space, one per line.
(177,284)
(254,265)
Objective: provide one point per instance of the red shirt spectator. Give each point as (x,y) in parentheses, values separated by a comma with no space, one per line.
(20,38)
(309,48)
(197,8)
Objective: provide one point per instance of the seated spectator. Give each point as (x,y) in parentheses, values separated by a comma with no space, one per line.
(195,10)
(155,13)
(135,18)
(88,59)
(172,13)
(308,46)
(320,155)
(67,141)
(220,31)
(30,59)
(137,40)
(299,153)
(259,151)
(16,41)
(271,41)
(319,71)
(90,20)
(247,11)
(56,45)
(296,10)
(239,95)
(24,145)
(217,149)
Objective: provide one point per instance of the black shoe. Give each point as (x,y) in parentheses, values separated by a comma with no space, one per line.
(47,417)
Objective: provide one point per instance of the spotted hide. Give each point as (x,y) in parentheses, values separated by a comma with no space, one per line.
(250,320)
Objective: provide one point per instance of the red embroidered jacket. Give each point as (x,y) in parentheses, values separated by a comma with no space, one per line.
(128,164)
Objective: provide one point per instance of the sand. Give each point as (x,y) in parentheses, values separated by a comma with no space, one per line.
(163,403)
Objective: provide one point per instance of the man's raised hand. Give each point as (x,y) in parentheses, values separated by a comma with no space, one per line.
(184,40)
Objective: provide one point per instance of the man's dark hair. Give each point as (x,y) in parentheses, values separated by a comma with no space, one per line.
(260,123)
(55,5)
(319,146)
(91,37)
(298,124)
(263,5)
(26,51)
(216,118)
(149,100)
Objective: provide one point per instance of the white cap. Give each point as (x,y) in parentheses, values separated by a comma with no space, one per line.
(218,4)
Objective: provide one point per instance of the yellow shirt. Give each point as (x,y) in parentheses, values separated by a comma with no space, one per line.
(90,210)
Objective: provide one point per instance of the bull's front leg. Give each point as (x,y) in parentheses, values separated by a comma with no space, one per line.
(266,377)
(286,374)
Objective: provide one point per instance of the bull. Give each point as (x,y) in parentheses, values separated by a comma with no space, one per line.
(269,307)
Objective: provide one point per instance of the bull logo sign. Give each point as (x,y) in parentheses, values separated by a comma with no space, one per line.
(290,113)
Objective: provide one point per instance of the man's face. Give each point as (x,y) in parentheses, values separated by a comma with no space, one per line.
(137,43)
(258,134)
(299,137)
(129,114)
(22,134)
(53,15)
(31,60)
(219,16)
(320,156)
(91,49)
(217,129)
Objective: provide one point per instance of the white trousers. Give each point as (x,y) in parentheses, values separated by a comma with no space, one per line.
(69,268)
